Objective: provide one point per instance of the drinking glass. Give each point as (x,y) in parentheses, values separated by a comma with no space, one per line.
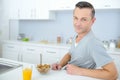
(27,72)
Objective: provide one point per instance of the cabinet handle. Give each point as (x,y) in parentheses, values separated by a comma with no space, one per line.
(10,46)
(18,57)
(50,52)
(31,15)
(107,5)
(31,49)
(21,58)
(34,13)
(18,13)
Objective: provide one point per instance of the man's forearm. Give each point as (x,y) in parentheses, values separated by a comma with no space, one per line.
(98,73)
(65,60)
(109,73)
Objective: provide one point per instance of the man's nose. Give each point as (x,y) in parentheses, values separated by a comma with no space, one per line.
(78,22)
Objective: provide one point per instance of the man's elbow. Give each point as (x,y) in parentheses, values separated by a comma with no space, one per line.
(111,71)
(113,76)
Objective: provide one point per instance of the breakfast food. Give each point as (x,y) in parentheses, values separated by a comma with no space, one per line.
(43,68)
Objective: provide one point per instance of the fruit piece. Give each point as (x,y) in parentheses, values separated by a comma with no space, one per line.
(25,39)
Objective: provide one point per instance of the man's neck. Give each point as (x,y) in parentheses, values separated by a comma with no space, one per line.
(81,35)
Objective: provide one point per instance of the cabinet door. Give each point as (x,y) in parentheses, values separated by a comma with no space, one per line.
(13,8)
(41,10)
(20,9)
(63,51)
(70,5)
(31,54)
(62,4)
(10,51)
(110,4)
(10,55)
(25,9)
(106,4)
(50,55)
(33,58)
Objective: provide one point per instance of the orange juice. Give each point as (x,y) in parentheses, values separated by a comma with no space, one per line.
(27,73)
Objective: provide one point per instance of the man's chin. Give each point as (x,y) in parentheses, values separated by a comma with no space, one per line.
(78,31)
(81,32)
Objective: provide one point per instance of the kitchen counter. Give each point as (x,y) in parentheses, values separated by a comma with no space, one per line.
(35,43)
(16,74)
(54,45)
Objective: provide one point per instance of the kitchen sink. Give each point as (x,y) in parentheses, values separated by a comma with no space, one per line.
(6,66)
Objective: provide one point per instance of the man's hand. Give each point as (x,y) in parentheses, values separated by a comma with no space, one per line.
(74,70)
(56,66)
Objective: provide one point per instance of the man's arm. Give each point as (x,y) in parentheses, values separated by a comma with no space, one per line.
(108,72)
(63,62)
(65,59)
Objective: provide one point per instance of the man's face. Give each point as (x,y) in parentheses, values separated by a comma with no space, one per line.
(82,20)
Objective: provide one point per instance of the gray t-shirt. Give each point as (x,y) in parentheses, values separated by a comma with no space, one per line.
(89,53)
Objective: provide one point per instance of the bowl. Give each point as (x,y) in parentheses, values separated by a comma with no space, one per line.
(43,68)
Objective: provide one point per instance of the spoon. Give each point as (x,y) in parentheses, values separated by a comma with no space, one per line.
(40,58)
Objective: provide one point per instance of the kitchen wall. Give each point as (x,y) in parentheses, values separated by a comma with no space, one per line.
(49,29)
(106,27)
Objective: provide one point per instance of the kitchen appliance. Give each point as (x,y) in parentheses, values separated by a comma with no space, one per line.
(69,41)
(112,44)
(21,36)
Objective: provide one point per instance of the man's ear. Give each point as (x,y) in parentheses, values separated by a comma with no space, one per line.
(93,20)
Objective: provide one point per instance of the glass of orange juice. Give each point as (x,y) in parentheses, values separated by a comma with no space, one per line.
(27,72)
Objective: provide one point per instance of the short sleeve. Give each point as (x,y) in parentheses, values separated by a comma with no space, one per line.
(73,44)
(71,49)
(99,55)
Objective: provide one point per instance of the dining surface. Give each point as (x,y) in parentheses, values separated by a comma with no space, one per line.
(16,74)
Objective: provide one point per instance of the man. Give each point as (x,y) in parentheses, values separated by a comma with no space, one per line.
(87,52)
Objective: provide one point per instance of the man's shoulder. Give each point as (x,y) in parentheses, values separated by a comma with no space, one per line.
(93,42)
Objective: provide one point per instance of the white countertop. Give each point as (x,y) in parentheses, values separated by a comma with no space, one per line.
(62,45)
(16,74)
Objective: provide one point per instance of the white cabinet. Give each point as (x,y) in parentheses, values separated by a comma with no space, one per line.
(53,55)
(21,52)
(106,4)
(50,55)
(20,9)
(31,54)
(63,51)
(29,9)
(41,9)
(13,8)
(62,5)
(70,4)
(25,9)
(11,51)
(4,20)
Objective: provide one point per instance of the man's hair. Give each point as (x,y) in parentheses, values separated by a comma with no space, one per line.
(84,4)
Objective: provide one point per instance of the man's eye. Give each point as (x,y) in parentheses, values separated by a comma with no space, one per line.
(75,18)
(83,19)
